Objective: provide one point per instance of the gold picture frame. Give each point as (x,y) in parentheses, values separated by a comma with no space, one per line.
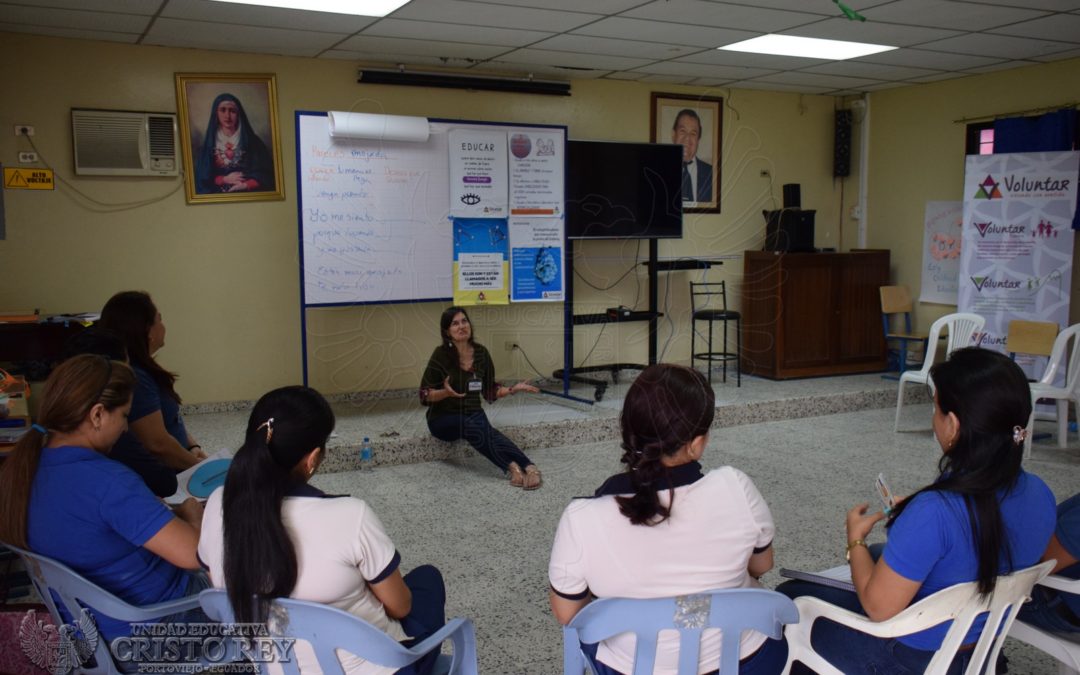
(672,120)
(242,163)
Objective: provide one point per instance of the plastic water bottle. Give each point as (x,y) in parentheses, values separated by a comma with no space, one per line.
(365,455)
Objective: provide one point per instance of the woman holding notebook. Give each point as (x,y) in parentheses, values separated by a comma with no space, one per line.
(981,408)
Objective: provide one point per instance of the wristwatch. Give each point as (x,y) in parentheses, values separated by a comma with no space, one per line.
(851,545)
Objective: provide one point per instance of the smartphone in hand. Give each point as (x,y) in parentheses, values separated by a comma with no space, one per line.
(888,502)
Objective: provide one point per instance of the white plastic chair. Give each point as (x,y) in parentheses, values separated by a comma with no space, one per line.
(962,327)
(961,603)
(1045,387)
(1066,651)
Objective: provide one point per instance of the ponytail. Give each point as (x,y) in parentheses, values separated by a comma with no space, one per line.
(259,559)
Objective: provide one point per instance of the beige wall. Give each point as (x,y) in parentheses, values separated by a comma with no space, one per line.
(225,275)
(917,153)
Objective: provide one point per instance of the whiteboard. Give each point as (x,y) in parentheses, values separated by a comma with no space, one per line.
(374,221)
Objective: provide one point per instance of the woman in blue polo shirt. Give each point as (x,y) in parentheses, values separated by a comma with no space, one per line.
(981,408)
(158,445)
(62,497)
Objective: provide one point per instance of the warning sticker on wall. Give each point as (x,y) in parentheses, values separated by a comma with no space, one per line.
(28,179)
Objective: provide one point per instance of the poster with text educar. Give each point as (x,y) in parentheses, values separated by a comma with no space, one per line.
(478,174)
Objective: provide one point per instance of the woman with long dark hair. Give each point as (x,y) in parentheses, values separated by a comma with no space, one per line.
(268,534)
(982,517)
(459,374)
(664,527)
(61,496)
(157,446)
(232,158)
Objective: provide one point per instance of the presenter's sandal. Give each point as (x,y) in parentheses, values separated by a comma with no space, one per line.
(533,479)
(517,476)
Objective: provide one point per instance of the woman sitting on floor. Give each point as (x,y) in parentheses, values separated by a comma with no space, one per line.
(664,527)
(458,374)
(268,534)
(981,408)
(61,496)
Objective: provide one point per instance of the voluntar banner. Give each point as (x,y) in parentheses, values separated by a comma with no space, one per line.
(1016,259)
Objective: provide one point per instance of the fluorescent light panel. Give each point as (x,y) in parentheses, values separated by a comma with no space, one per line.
(357,7)
(814,48)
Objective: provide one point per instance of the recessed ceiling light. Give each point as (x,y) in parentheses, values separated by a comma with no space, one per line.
(358,7)
(814,48)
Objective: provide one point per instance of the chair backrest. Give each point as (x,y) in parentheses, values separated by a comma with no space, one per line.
(328,629)
(703,292)
(895,299)
(1031,337)
(961,327)
(732,611)
(62,590)
(962,604)
(1058,356)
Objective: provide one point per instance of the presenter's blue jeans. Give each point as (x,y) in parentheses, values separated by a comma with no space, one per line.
(478,432)
(853,651)
(428,614)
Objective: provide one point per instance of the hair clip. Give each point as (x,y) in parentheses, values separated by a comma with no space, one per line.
(40,429)
(1019,434)
(269,424)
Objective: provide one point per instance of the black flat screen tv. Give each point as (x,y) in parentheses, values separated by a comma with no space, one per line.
(623,190)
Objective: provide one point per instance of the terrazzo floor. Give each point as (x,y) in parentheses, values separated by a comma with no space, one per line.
(492,542)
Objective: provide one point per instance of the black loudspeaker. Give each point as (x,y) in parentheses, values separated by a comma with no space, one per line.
(790,230)
(842,144)
(792,196)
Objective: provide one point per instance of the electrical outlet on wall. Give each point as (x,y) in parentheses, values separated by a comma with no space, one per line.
(24,130)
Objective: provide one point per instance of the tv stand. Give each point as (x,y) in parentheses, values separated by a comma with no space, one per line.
(568,373)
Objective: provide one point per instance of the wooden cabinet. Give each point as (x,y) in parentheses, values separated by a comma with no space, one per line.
(808,314)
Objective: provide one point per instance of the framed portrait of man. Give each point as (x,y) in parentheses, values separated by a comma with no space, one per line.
(229,137)
(695,123)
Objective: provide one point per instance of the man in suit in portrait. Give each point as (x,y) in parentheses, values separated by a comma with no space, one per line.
(696,174)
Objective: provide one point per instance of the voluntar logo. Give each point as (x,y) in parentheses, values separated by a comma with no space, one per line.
(990,228)
(58,650)
(1045,230)
(988,189)
(985,283)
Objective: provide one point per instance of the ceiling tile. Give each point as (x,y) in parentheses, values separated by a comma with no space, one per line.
(890,34)
(667,79)
(776,86)
(885,85)
(230,37)
(665,32)
(1063,27)
(1070,54)
(875,71)
(1000,46)
(501,16)
(453,32)
(939,77)
(1004,65)
(376,45)
(568,59)
(75,33)
(384,61)
(74,19)
(722,15)
(701,70)
(268,17)
(924,58)
(594,45)
(548,71)
(121,6)
(813,80)
(589,6)
(803,6)
(1052,5)
(624,75)
(745,59)
(954,15)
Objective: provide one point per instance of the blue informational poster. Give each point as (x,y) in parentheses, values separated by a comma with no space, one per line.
(536,259)
(481,264)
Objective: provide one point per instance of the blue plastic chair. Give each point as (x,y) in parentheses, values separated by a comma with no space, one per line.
(65,592)
(329,629)
(732,611)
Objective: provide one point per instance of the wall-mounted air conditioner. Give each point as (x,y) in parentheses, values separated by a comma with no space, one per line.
(122,143)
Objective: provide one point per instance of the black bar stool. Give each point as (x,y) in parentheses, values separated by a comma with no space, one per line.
(703,299)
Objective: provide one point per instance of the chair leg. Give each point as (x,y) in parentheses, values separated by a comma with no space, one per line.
(725,350)
(1063,421)
(738,353)
(693,350)
(899,405)
(1030,434)
(709,349)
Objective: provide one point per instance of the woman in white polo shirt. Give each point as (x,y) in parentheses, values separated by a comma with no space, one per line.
(664,527)
(268,534)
